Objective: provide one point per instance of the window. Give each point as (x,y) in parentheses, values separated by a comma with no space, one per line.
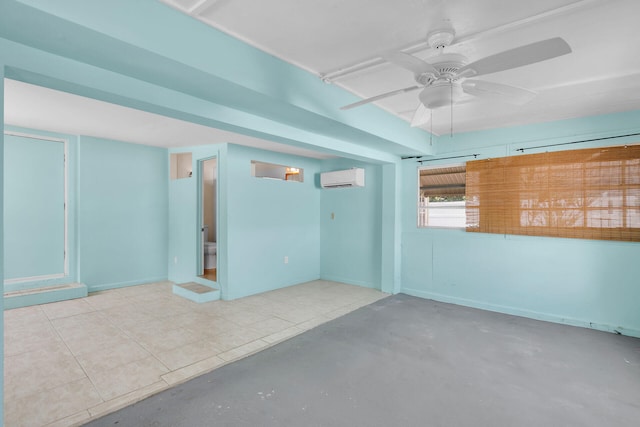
(589,194)
(441,200)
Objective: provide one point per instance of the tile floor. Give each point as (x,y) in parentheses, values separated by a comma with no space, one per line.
(70,361)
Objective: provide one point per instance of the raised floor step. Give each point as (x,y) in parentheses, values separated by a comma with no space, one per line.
(196,292)
(44,295)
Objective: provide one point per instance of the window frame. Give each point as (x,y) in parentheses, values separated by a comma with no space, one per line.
(419,205)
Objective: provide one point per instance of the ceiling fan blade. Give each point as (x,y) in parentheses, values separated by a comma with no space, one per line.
(409,62)
(511,94)
(378,97)
(518,57)
(421,116)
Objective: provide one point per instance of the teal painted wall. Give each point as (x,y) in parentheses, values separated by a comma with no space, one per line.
(122,213)
(34,238)
(579,282)
(268,220)
(351,242)
(260,221)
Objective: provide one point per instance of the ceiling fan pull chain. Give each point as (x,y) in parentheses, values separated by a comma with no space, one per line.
(430,126)
(451,98)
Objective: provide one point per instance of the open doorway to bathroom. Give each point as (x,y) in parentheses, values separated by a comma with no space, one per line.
(208,172)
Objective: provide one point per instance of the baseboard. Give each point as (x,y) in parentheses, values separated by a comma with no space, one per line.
(522,312)
(105,286)
(44,295)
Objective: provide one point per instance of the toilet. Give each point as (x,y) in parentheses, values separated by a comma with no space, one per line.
(210,250)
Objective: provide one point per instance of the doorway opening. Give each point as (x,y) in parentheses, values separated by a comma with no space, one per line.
(35,210)
(208,265)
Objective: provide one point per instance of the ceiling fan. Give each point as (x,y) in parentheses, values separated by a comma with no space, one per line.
(448,76)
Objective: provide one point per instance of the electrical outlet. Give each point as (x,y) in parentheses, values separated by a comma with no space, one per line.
(175,259)
(286,259)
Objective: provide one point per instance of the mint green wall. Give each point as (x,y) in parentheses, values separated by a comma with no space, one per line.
(122,213)
(351,242)
(268,220)
(34,238)
(579,282)
(260,221)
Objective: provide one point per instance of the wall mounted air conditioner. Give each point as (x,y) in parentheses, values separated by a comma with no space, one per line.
(341,179)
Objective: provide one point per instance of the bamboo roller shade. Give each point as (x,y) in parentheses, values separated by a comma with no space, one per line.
(588,194)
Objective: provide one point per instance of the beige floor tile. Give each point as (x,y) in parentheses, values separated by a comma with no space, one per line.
(81,323)
(188,354)
(214,326)
(25,339)
(193,370)
(133,342)
(270,326)
(97,339)
(126,399)
(297,315)
(243,350)
(105,300)
(21,317)
(282,335)
(310,324)
(50,405)
(68,308)
(42,369)
(162,340)
(120,353)
(246,317)
(229,340)
(127,378)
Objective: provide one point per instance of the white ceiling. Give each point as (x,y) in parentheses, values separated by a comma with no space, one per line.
(601,75)
(41,108)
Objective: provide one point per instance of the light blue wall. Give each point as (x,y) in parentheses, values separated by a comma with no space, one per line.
(122,213)
(351,242)
(34,238)
(268,220)
(260,221)
(580,282)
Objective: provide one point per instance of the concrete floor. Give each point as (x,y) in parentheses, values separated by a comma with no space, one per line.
(406,361)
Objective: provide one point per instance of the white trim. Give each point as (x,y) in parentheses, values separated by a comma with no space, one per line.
(65,149)
(34,278)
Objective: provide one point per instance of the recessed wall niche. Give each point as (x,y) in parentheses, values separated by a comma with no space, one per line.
(180,164)
(273,171)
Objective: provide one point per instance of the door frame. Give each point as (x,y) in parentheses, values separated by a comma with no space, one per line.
(200,223)
(65,167)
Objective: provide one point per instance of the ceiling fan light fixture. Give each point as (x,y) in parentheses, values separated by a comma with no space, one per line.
(441,94)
